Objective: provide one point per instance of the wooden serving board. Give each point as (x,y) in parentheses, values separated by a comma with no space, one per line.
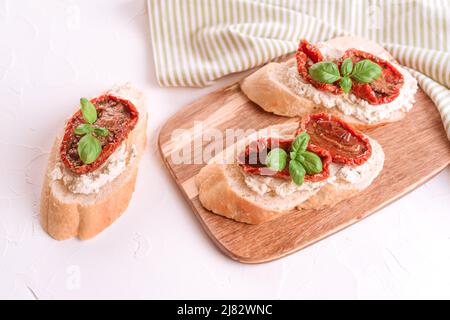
(416,149)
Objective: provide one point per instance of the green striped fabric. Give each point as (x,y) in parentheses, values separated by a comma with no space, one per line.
(198,41)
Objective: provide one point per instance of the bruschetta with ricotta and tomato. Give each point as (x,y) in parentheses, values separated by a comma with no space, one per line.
(310,165)
(350,77)
(93,165)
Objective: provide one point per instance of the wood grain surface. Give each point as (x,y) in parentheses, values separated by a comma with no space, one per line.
(416,149)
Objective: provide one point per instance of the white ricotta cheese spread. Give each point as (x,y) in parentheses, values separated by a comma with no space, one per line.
(338,173)
(349,104)
(92,182)
(359,174)
(280,187)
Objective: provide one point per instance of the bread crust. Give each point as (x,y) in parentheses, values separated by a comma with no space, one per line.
(63,220)
(269,92)
(216,195)
(65,215)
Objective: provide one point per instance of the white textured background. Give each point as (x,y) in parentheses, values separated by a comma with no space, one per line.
(51,53)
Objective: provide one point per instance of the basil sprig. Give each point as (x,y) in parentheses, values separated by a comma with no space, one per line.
(89,147)
(301,162)
(364,71)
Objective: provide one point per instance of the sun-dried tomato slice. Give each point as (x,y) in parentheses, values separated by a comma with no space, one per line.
(346,145)
(308,54)
(116,114)
(253,159)
(383,90)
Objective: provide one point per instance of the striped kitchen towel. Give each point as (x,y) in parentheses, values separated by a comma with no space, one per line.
(198,41)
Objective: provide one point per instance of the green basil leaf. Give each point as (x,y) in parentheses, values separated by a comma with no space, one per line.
(311,162)
(83,128)
(276,159)
(300,157)
(88,110)
(365,71)
(346,67)
(293,154)
(297,172)
(324,72)
(89,148)
(101,132)
(300,143)
(346,84)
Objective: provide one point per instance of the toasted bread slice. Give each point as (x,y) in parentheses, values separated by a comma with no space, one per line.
(65,214)
(269,88)
(222,186)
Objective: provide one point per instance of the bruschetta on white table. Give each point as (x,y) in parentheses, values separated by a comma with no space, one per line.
(93,164)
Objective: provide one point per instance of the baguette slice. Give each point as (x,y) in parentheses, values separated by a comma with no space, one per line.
(222,188)
(65,214)
(268,87)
